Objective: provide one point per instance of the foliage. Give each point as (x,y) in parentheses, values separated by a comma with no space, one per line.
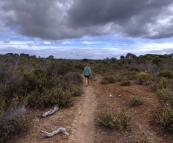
(72,78)
(131,75)
(125,82)
(136,100)
(43,82)
(142,77)
(165,94)
(123,119)
(166,118)
(166,73)
(156,60)
(74,89)
(12,127)
(49,98)
(159,84)
(108,79)
(106,118)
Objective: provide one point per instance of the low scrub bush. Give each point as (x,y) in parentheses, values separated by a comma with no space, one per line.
(49,98)
(72,81)
(35,100)
(166,73)
(107,119)
(125,82)
(166,118)
(12,127)
(123,119)
(161,83)
(165,94)
(108,79)
(142,78)
(74,89)
(136,100)
(131,75)
(73,78)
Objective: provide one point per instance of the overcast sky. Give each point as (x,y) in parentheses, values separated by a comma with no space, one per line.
(77,29)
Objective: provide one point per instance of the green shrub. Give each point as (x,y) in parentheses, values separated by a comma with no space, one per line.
(166,118)
(107,119)
(166,73)
(73,77)
(108,79)
(142,77)
(156,60)
(165,94)
(159,84)
(131,75)
(74,89)
(136,100)
(49,98)
(35,100)
(71,80)
(123,119)
(125,82)
(12,127)
(40,79)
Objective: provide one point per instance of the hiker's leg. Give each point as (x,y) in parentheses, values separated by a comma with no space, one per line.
(86,81)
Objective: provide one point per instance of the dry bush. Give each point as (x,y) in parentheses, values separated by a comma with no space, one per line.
(108,79)
(106,118)
(125,82)
(165,94)
(12,127)
(166,118)
(49,98)
(143,78)
(136,100)
(74,89)
(166,73)
(131,75)
(159,84)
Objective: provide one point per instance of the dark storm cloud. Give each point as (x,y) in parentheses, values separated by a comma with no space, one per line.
(63,19)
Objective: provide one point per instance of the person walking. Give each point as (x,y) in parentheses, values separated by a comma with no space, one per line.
(87,73)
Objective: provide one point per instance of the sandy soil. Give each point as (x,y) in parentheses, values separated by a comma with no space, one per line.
(79,119)
(83,126)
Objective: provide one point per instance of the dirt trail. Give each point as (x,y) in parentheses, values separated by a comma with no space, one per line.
(83,124)
(77,119)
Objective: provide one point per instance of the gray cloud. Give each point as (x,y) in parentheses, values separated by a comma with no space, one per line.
(63,19)
(7,41)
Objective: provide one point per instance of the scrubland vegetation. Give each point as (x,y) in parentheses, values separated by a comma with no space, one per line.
(43,82)
(34,83)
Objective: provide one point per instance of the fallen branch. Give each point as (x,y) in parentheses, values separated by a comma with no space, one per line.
(59,130)
(51,111)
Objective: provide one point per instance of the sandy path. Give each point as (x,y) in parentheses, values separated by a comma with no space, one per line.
(77,119)
(83,126)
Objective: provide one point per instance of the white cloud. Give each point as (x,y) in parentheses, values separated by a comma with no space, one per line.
(90,43)
(89,52)
(7,41)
